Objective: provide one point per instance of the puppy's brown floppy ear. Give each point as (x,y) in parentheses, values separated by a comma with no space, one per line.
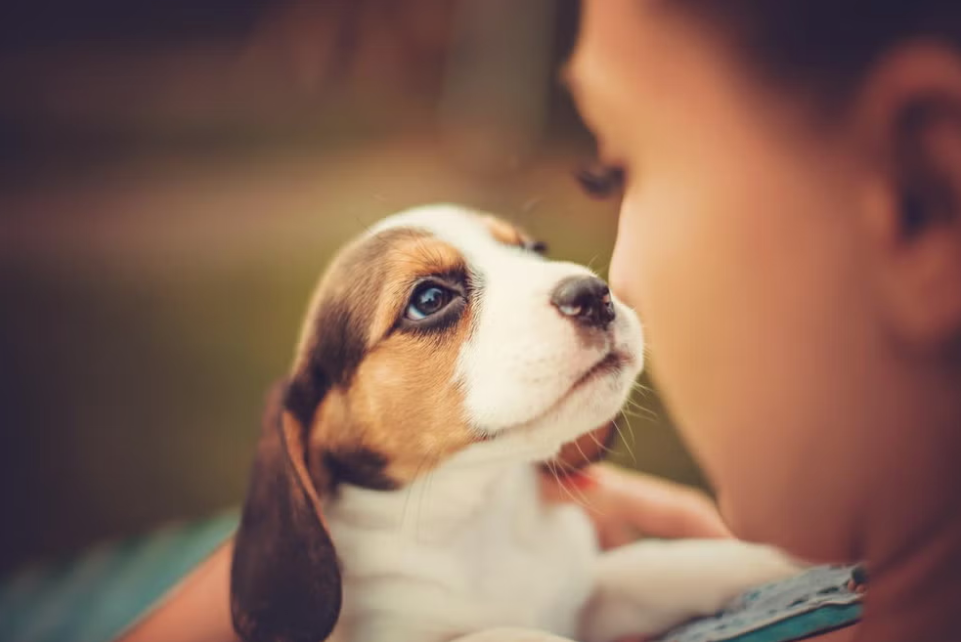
(285,583)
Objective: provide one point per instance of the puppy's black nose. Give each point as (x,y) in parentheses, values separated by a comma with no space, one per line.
(586,300)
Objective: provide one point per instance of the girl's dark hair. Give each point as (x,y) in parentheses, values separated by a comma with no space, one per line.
(825,45)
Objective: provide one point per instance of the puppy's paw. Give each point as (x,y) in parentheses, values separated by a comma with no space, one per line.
(649,587)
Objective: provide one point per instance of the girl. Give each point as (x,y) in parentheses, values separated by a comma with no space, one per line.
(790,233)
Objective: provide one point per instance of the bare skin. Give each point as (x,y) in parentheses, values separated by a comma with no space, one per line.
(197,611)
(803,331)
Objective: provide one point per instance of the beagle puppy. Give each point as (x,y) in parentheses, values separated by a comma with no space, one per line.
(394,494)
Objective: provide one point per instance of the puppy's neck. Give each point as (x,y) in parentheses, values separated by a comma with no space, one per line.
(441,503)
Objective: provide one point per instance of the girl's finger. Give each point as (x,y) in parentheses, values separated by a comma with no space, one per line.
(658,507)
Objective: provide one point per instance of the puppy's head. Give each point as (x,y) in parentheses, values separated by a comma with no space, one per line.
(440,336)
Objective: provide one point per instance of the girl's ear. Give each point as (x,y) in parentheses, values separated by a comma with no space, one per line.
(908,122)
(285,583)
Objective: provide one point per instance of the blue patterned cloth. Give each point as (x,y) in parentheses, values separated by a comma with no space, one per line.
(99,596)
(819,600)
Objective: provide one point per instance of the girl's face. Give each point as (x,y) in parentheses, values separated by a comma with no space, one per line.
(737,245)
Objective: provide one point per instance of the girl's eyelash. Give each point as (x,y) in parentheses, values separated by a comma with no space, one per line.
(600,181)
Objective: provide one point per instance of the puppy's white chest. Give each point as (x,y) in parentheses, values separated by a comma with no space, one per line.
(527,564)
(462,557)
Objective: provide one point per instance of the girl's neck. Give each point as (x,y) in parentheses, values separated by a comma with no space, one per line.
(911,519)
(917,596)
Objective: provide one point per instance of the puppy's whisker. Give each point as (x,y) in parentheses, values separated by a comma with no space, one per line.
(427,488)
(550,467)
(424,492)
(630,443)
(407,494)
(646,413)
(638,410)
(605,449)
(643,391)
(636,415)
(410,488)
(620,434)
(605,268)
(585,502)
(581,450)
(560,482)
(561,478)
(637,385)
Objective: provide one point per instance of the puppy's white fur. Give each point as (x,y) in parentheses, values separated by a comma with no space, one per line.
(471,545)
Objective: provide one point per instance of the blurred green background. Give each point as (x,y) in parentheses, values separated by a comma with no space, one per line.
(175,177)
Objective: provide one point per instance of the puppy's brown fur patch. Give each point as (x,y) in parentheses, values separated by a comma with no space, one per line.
(510,234)
(504,232)
(392,408)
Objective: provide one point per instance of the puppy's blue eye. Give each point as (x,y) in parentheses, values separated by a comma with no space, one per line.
(428,299)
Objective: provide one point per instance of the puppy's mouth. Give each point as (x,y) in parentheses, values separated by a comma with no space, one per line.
(612,362)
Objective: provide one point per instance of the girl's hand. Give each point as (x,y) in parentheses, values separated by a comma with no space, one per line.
(625,504)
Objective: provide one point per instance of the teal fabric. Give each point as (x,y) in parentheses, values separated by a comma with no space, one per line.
(98,596)
(823,619)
